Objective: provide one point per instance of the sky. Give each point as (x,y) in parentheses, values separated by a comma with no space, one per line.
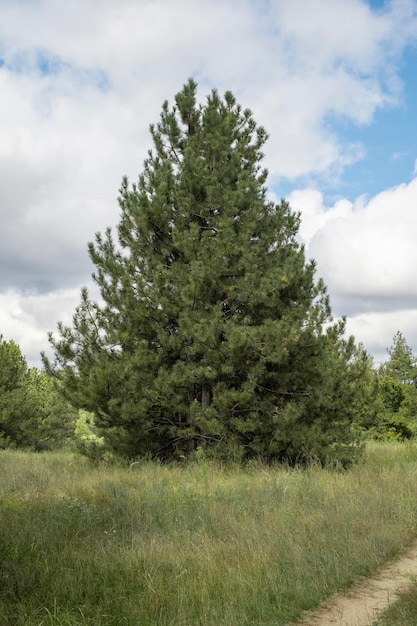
(334,82)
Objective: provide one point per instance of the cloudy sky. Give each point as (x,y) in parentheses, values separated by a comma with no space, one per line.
(333,81)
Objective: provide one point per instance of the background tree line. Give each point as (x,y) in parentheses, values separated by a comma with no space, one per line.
(33,413)
(213,332)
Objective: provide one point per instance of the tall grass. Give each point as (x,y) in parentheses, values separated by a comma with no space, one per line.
(193,545)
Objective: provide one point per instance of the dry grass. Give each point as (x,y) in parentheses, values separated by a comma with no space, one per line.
(193,545)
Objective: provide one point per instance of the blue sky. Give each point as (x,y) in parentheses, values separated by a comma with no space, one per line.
(390,140)
(333,81)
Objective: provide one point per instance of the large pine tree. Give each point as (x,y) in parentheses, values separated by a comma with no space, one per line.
(210,332)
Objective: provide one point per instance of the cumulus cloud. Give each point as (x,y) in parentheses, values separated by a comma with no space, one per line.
(376,330)
(365,249)
(366,253)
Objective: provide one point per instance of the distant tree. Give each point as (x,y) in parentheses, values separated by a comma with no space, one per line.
(212,331)
(55,420)
(367,406)
(402,363)
(31,409)
(397,391)
(13,401)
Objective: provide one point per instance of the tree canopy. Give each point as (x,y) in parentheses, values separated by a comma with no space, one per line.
(212,330)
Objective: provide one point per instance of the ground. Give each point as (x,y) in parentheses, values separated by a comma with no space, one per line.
(361,604)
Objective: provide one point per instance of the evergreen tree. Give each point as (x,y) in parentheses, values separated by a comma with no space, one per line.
(211,328)
(13,402)
(31,410)
(53,418)
(398,391)
(402,363)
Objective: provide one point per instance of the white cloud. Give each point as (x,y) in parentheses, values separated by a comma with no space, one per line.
(376,330)
(27,318)
(295,63)
(366,253)
(365,248)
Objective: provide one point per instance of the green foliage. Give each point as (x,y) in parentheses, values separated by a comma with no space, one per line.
(14,404)
(32,413)
(397,393)
(56,417)
(402,364)
(210,332)
(84,427)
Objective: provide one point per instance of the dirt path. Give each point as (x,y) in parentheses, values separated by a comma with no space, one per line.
(362,603)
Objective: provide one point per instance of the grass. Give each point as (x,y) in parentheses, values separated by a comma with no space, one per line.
(197,545)
(403,612)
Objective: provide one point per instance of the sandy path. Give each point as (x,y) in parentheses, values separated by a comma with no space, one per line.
(364,601)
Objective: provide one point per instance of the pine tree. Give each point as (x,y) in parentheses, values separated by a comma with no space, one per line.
(210,330)
(402,363)
(13,405)
(397,386)
(31,410)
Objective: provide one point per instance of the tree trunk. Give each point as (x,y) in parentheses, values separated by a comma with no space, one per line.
(205,396)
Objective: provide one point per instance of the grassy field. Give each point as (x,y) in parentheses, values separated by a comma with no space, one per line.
(193,545)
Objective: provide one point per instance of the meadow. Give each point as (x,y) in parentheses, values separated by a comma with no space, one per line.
(194,545)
